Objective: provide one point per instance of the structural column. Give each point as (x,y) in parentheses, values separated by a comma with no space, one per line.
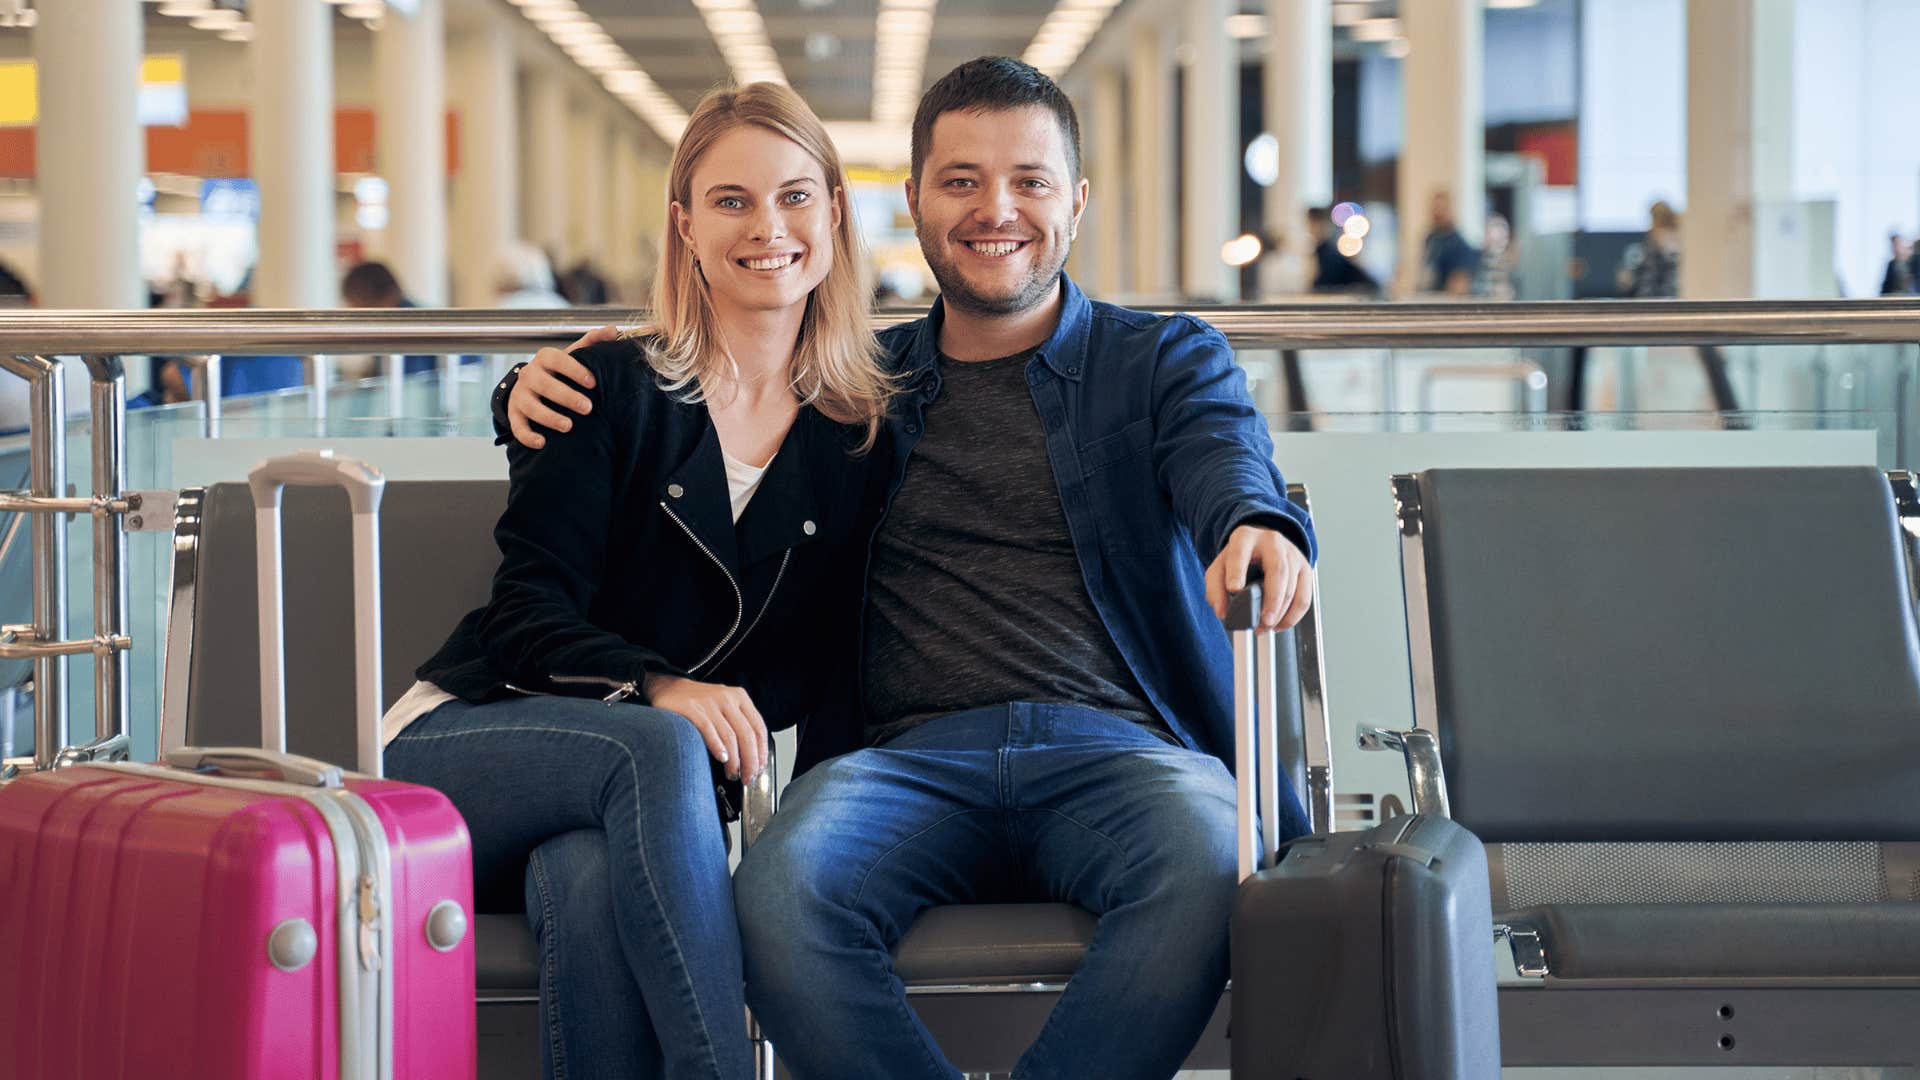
(587,225)
(1739,149)
(1298,88)
(1445,146)
(290,147)
(1151,152)
(90,153)
(548,177)
(486,188)
(1210,153)
(409,58)
(1105,222)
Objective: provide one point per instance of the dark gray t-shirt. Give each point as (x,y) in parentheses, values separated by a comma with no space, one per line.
(975,596)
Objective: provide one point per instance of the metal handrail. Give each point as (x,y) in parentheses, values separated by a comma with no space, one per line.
(253,331)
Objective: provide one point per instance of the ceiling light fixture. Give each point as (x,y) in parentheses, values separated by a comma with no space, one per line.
(1068,28)
(901,34)
(589,45)
(741,35)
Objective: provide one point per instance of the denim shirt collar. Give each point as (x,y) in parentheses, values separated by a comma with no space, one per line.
(1065,351)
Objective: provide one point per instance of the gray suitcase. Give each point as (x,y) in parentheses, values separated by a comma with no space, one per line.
(1368,956)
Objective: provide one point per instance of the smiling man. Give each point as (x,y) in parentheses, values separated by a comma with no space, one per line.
(1048,708)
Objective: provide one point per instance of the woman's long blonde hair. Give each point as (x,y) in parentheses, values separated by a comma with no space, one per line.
(836,362)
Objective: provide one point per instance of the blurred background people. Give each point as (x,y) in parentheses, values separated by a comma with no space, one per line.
(1650,268)
(1899,279)
(1450,263)
(524,279)
(1333,271)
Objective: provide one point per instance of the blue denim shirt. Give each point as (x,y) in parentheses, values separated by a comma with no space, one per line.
(1159,454)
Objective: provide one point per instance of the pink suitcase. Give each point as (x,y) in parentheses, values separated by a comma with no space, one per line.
(239,912)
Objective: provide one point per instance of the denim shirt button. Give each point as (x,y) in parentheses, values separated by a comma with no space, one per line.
(913,429)
(1073,371)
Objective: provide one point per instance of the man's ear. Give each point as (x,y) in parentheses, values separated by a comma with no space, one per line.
(1079,203)
(913,198)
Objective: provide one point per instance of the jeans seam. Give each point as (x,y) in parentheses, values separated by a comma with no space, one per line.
(633,772)
(550,962)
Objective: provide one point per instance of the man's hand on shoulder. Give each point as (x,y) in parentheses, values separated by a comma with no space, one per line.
(540,395)
(1287,574)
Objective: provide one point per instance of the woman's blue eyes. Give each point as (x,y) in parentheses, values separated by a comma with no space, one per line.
(791,198)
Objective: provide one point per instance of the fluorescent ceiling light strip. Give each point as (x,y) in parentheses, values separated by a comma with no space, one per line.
(1068,28)
(590,46)
(741,35)
(902,31)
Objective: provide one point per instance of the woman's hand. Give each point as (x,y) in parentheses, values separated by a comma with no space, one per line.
(539,393)
(724,715)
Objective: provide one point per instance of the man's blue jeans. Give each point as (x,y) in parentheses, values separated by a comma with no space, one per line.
(607,811)
(1011,803)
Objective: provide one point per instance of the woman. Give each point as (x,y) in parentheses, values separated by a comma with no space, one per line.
(667,578)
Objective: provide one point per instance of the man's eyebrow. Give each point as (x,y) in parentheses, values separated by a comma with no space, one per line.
(956,166)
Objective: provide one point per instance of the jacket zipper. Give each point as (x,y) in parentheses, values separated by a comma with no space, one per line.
(739,603)
(784,559)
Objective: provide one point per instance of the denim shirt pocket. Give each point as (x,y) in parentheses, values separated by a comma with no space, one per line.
(1133,514)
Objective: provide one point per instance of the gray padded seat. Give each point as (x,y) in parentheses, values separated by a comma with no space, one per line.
(504,957)
(993,943)
(1682,708)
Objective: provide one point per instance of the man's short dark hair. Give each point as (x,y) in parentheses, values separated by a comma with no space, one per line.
(1318,214)
(368,282)
(994,84)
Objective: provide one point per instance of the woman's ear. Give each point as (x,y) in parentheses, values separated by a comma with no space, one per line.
(839,206)
(682,224)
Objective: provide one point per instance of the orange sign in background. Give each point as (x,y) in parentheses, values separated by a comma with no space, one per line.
(213,143)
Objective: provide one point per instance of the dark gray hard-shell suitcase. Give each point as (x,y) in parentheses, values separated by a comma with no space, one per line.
(1368,956)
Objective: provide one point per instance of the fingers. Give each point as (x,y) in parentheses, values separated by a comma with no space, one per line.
(1216,587)
(542,383)
(1239,549)
(536,411)
(1278,578)
(1302,599)
(757,737)
(523,432)
(709,732)
(594,337)
(729,738)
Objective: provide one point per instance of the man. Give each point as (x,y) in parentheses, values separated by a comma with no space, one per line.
(1048,700)
(1333,271)
(1898,280)
(1450,262)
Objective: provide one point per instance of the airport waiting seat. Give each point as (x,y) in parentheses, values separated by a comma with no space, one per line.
(1682,709)
(982,977)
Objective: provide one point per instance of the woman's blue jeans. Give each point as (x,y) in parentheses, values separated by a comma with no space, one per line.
(603,816)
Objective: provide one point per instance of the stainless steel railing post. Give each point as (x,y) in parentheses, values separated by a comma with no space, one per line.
(319,375)
(108,398)
(206,389)
(47,457)
(396,369)
(449,384)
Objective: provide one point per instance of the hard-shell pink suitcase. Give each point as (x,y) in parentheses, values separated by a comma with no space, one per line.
(241,912)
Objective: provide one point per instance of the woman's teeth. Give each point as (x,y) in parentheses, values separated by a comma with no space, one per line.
(774,263)
(996,247)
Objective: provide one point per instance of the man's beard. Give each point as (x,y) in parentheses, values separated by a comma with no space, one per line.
(1036,290)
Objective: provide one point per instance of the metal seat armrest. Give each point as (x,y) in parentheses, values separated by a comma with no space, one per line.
(760,799)
(1426,780)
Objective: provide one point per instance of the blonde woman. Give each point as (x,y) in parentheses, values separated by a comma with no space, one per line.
(670,582)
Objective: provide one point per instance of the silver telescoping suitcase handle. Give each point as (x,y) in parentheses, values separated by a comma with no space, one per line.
(364,485)
(248,761)
(1256,730)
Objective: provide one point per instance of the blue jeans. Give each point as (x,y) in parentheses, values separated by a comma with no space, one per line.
(1014,802)
(603,817)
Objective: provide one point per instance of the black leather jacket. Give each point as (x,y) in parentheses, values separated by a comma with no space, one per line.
(620,558)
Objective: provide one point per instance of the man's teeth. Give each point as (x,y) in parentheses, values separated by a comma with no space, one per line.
(997,247)
(773,263)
